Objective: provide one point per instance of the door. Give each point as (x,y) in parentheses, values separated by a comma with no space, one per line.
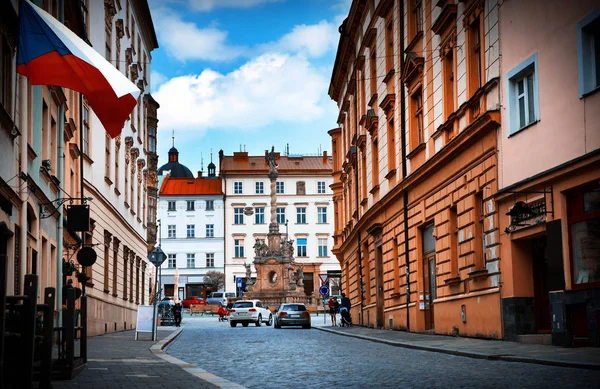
(540,286)
(428,275)
(380,302)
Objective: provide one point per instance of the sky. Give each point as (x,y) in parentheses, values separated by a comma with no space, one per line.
(244,74)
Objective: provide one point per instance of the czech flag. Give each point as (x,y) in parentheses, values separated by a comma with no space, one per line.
(51,54)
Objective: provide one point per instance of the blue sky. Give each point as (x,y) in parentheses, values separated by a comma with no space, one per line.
(244,72)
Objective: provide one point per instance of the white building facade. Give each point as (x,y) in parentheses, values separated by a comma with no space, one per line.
(304,201)
(191,234)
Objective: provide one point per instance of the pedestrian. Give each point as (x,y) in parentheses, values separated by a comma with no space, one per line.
(332,310)
(177,313)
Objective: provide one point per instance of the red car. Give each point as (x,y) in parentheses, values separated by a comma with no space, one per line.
(193,300)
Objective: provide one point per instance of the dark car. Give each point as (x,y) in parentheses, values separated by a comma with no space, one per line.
(193,300)
(292,315)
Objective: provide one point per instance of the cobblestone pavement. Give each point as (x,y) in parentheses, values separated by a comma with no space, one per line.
(116,360)
(265,357)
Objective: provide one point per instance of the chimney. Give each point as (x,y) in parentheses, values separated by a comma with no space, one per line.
(199,173)
(325,156)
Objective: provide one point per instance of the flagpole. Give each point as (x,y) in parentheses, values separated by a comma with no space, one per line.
(83,351)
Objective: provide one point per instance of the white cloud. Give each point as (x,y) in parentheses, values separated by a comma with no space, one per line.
(184,40)
(268,89)
(156,79)
(313,40)
(209,5)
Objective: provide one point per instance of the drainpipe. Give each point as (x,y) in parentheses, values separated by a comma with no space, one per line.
(404,170)
(23,114)
(60,172)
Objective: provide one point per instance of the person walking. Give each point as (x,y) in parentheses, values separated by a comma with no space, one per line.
(332,310)
(177,313)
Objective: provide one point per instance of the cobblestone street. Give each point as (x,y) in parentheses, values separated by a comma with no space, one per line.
(264,357)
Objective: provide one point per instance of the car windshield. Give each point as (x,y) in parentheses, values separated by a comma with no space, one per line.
(294,307)
(243,304)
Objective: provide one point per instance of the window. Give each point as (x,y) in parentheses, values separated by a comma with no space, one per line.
(171,206)
(210,260)
(475,76)
(281,215)
(107,159)
(259,216)
(391,144)
(86,130)
(6,74)
(374,162)
(301,242)
(190,205)
(210,205)
(301,215)
(583,210)
(191,260)
(417,113)
(449,91)
(321,187)
(279,187)
(210,230)
(478,217)
(389,45)
(259,187)
(171,261)
(416,17)
(588,53)
(152,139)
(108,42)
(238,248)
(191,231)
(171,232)
(321,215)
(238,216)
(237,187)
(322,247)
(523,103)
(373,71)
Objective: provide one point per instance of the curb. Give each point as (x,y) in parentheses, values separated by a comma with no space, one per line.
(158,350)
(469,354)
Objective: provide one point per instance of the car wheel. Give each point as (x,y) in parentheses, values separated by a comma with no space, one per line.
(306,326)
(233,323)
(259,321)
(270,320)
(244,324)
(276,325)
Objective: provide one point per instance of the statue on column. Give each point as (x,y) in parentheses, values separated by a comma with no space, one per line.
(271,159)
(300,275)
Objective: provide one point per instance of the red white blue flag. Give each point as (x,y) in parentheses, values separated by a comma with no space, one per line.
(51,54)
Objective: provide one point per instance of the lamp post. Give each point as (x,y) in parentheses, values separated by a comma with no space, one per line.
(157,257)
(286,229)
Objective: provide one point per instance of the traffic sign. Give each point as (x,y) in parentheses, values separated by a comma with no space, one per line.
(239,282)
(324,290)
(323,278)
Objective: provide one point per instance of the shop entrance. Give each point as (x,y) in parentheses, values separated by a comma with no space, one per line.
(541,286)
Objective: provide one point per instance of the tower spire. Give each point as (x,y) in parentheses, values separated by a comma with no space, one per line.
(173,138)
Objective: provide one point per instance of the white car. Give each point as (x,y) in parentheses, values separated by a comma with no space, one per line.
(249,311)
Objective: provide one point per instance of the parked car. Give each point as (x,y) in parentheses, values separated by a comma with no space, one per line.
(193,300)
(292,315)
(249,311)
(216,298)
(168,301)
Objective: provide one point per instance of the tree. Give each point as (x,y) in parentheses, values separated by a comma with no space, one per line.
(215,279)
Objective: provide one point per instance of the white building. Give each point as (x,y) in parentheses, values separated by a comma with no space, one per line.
(304,200)
(190,211)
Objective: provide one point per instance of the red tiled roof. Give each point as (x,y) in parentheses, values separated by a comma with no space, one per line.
(190,186)
(242,163)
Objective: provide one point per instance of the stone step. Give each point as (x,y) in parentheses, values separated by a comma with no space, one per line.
(535,339)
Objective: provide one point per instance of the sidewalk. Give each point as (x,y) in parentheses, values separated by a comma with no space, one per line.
(116,360)
(583,357)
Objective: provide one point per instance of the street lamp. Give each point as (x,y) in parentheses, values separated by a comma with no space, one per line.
(286,229)
(157,257)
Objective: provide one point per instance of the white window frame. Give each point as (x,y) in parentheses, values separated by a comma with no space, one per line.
(191,205)
(280,187)
(190,231)
(586,56)
(191,259)
(238,187)
(171,231)
(302,250)
(210,230)
(238,216)
(171,261)
(172,208)
(210,205)
(238,245)
(518,73)
(321,188)
(210,259)
(280,214)
(301,215)
(321,215)
(323,247)
(259,187)
(259,215)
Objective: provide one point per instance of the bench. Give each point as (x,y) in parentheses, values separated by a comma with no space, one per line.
(197,309)
(210,310)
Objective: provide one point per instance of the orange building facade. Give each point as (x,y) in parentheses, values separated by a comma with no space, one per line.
(415,161)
